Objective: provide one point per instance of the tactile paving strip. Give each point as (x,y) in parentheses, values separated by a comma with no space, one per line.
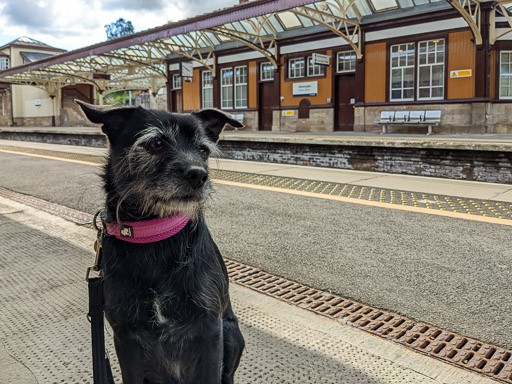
(468,353)
(487,208)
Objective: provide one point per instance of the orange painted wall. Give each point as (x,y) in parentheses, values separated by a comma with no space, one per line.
(324,87)
(253,84)
(375,72)
(461,55)
(492,90)
(192,92)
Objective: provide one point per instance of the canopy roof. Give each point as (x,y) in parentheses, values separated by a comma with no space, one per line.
(138,61)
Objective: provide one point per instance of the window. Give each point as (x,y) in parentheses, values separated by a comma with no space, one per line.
(176,81)
(431,69)
(506,75)
(402,72)
(233,81)
(295,68)
(4,63)
(241,87)
(207,89)
(226,88)
(266,71)
(313,69)
(346,62)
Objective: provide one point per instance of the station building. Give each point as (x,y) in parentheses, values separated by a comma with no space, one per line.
(25,104)
(265,63)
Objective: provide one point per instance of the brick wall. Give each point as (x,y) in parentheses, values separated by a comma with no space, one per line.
(489,166)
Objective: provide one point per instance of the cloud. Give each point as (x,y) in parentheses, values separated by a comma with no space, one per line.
(33,14)
(137,5)
(71,24)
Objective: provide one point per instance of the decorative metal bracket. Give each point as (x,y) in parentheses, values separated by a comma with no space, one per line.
(470,11)
(336,20)
(493,36)
(259,41)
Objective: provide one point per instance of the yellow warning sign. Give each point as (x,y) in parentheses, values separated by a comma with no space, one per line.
(460,73)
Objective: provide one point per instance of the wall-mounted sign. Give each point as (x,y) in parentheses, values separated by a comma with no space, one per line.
(289,112)
(319,59)
(309,88)
(37,102)
(101,76)
(460,73)
(187,69)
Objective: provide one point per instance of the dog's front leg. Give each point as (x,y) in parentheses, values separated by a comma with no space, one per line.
(233,346)
(130,356)
(209,369)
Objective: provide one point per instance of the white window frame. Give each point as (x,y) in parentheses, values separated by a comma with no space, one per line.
(5,63)
(507,76)
(266,75)
(314,70)
(292,71)
(207,85)
(402,68)
(240,88)
(225,84)
(342,57)
(176,81)
(431,66)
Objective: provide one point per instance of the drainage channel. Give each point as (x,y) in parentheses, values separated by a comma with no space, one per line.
(478,207)
(453,348)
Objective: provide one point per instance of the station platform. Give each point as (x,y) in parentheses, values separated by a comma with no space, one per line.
(419,184)
(483,157)
(45,334)
(95,137)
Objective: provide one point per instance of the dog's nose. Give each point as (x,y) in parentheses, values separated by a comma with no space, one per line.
(196,176)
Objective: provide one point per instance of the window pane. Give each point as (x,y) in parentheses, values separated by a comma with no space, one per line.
(437,75)
(396,95)
(437,92)
(424,76)
(396,78)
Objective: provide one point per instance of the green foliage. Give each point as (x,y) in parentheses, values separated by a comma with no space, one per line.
(120,97)
(120,28)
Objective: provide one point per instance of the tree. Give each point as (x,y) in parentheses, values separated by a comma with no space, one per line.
(120,28)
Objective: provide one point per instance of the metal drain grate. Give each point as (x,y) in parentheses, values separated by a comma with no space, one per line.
(77,217)
(472,354)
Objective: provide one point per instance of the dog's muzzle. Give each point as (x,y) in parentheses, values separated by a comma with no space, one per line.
(196,176)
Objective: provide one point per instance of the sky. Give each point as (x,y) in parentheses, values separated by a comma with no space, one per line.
(72,24)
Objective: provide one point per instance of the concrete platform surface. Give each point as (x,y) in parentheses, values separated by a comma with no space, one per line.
(45,335)
(441,186)
(486,142)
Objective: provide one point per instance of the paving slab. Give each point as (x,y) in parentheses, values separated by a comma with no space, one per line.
(45,335)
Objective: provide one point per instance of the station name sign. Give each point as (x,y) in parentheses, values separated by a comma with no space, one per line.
(187,69)
(101,76)
(308,88)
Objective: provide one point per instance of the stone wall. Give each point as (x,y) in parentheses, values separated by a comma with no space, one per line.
(72,116)
(5,108)
(467,118)
(41,121)
(250,120)
(488,166)
(320,120)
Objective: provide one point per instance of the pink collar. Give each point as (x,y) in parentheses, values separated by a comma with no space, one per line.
(148,231)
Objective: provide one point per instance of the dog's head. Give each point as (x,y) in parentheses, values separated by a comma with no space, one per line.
(158,163)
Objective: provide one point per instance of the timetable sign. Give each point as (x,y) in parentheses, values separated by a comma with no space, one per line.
(319,59)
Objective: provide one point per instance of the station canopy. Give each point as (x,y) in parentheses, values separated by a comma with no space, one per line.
(138,61)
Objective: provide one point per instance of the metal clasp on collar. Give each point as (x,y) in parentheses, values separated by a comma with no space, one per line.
(97,248)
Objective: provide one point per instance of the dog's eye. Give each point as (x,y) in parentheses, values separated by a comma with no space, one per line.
(155,144)
(204,151)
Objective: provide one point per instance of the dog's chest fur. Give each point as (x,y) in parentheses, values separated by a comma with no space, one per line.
(164,285)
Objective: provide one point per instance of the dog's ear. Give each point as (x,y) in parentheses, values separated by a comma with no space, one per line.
(214,121)
(113,117)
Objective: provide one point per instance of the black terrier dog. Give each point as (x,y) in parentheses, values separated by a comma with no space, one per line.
(165,282)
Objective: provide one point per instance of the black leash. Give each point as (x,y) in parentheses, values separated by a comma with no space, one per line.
(102,373)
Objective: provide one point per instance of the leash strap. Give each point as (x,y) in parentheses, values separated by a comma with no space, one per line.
(102,373)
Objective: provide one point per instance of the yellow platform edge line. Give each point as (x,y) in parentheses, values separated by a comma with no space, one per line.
(456,215)
(52,157)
